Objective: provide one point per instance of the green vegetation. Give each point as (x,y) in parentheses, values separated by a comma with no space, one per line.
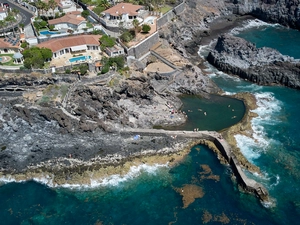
(165,9)
(97,32)
(98,10)
(106,41)
(83,68)
(146,28)
(24,45)
(89,24)
(85,13)
(127,36)
(40,24)
(52,92)
(115,62)
(10,62)
(35,57)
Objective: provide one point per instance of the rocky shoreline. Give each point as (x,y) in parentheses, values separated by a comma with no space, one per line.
(66,129)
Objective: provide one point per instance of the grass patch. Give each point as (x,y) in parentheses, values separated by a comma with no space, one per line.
(63,90)
(44,99)
(10,62)
(165,9)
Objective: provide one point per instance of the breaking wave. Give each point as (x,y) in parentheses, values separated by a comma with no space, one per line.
(268,107)
(112,180)
(248,24)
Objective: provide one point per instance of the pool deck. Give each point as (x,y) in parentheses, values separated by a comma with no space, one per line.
(64,59)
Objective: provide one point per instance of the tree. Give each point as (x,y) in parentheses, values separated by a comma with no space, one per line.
(107,41)
(146,28)
(83,68)
(52,5)
(136,26)
(127,36)
(35,57)
(85,13)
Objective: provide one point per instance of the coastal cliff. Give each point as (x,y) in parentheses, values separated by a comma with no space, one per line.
(285,12)
(264,66)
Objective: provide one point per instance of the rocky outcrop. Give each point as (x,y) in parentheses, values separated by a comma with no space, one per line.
(285,12)
(264,66)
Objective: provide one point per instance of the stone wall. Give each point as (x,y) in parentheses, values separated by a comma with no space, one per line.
(166,18)
(143,47)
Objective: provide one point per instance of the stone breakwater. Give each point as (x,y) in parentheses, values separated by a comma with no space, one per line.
(222,146)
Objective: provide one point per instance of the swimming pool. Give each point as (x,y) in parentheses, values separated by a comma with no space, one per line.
(46,32)
(79,58)
(0,59)
(149,20)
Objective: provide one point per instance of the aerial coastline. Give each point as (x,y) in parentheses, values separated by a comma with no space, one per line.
(136,102)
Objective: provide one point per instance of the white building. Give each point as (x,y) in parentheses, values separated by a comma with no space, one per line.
(3,12)
(72,21)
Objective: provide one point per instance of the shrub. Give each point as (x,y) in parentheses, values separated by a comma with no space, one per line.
(146,28)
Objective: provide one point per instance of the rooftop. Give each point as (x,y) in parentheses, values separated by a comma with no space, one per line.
(123,8)
(67,42)
(72,18)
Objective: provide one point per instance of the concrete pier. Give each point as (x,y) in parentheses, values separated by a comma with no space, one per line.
(248,184)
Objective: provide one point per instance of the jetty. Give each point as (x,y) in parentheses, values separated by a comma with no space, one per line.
(248,184)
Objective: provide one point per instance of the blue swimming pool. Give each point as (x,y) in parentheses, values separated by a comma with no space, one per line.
(79,58)
(46,32)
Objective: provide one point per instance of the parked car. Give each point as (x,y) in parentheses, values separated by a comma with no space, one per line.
(5,4)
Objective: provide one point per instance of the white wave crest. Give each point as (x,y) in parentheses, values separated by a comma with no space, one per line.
(248,24)
(112,180)
(267,108)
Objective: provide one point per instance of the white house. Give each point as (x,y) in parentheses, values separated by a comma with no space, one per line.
(3,12)
(71,20)
(114,51)
(72,44)
(122,12)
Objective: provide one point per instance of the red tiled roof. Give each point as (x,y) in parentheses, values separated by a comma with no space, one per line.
(123,8)
(4,44)
(68,18)
(68,42)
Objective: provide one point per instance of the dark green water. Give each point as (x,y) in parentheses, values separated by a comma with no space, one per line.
(215,113)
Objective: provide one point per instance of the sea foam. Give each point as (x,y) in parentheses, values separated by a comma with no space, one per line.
(248,24)
(268,107)
(112,180)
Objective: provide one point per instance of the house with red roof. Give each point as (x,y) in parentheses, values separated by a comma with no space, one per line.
(71,20)
(72,44)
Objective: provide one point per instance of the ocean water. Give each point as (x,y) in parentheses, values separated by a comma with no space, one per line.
(153,194)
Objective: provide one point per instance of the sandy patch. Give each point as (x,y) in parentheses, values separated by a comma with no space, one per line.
(158,67)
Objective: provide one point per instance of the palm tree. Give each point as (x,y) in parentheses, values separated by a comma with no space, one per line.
(135,24)
(39,6)
(2,25)
(10,19)
(52,5)
(104,3)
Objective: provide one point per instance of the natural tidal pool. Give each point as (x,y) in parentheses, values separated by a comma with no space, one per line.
(213,113)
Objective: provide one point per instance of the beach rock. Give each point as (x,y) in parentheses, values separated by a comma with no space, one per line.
(264,66)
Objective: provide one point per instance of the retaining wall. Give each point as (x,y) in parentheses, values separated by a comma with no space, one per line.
(166,18)
(143,47)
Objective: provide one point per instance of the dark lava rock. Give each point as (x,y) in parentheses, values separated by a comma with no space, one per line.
(264,66)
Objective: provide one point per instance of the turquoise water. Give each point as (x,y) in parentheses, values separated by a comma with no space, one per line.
(281,39)
(79,58)
(45,32)
(148,195)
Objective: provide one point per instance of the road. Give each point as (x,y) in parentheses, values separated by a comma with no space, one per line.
(25,13)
